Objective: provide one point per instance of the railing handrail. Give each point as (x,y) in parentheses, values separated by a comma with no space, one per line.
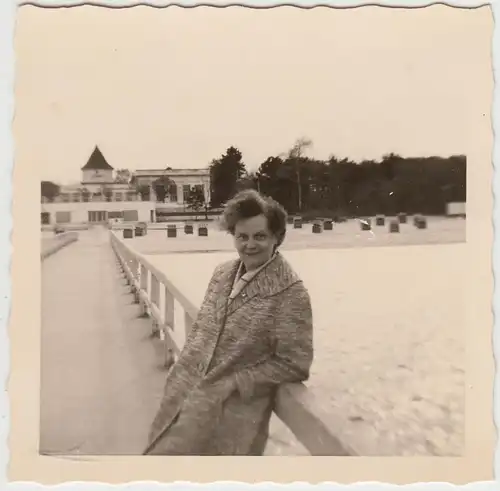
(295,405)
(58,242)
(160,275)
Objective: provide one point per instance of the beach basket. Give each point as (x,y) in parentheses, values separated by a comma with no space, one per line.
(317,228)
(394,226)
(171,231)
(420,222)
(366,224)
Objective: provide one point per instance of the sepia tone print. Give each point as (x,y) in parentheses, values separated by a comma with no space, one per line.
(267,268)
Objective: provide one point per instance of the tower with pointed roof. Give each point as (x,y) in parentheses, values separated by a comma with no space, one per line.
(97,171)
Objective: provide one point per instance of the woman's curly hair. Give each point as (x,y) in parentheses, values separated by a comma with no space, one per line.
(248,204)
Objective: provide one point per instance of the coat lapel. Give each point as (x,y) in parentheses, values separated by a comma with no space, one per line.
(223,291)
(270,280)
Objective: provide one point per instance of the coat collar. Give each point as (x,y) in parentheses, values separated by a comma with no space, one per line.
(275,277)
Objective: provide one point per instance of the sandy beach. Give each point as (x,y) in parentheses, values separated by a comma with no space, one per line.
(440,230)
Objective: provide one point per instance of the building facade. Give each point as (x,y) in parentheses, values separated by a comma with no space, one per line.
(99,197)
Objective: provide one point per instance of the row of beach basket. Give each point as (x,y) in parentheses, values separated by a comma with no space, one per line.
(141,229)
(419,221)
(318,225)
(138,230)
(202,230)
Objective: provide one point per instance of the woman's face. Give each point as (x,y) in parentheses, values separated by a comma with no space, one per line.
(254,241)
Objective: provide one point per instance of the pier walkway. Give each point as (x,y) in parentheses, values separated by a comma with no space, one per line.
(100,384)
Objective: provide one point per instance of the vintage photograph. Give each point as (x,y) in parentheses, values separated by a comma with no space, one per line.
(253,228)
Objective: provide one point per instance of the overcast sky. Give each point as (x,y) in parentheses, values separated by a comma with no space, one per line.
(175,87)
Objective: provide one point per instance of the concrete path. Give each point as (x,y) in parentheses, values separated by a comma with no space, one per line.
(100,383)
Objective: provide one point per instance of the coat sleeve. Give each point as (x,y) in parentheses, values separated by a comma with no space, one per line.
(293,353)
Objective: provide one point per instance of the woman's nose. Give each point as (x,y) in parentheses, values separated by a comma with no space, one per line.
(250,244)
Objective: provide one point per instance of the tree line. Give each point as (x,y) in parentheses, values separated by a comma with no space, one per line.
(342,187)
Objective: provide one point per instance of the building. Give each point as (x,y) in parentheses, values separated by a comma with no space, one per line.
(178,182)
(100,196)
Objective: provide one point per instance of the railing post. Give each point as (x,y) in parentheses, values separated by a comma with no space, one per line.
(168,321)
(135,277)
(168,313)
(143,281)
(154,297)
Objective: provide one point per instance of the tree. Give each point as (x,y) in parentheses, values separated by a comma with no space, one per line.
(144,191)
(107,193)
(294,155)
(123,176)
(164,186)
(345,188)
(49,190)
(247,181)
(225,172)
(85,194)
(275,178)
(388,165)
(195,199)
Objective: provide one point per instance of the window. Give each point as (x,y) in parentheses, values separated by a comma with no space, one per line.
(186,189)
(63,216)
(130,216)
(115,214)
(173,193)
(45,216)
(118,197)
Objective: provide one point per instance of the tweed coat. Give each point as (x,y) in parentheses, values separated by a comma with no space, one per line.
(259,340)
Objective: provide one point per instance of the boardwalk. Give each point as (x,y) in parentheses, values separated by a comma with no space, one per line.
(100,385)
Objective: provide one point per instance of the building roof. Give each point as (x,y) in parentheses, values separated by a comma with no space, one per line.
(171,172)
(97,161)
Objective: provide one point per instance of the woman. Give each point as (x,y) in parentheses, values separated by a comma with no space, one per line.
(253,332)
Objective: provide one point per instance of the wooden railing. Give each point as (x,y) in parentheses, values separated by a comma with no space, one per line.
(295,405)
(53,244)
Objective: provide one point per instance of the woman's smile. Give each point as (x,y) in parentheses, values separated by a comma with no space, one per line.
(254,241)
